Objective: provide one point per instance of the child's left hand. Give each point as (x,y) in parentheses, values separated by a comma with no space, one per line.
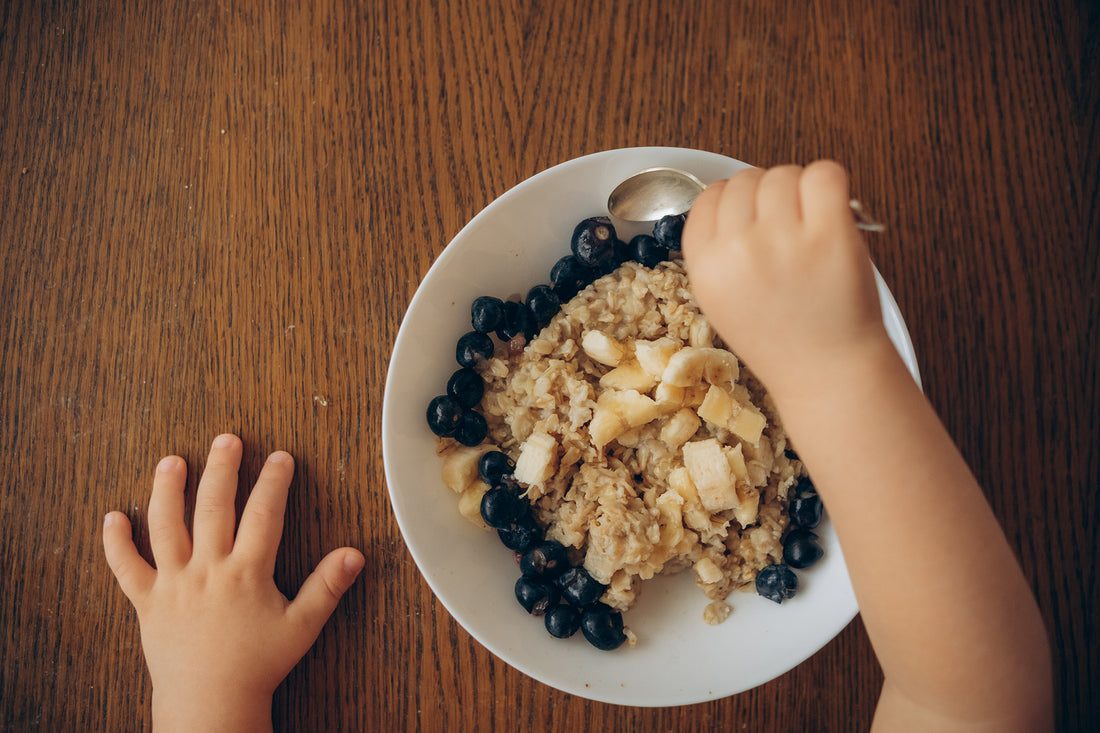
(218,635)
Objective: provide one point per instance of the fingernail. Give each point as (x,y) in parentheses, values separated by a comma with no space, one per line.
(167,463)
(223,441)
(353,563)
(109,519)
(279,456)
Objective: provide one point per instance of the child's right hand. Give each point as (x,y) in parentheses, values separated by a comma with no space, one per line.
(778,266)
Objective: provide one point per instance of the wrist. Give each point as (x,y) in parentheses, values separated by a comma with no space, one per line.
(175,710)
(831,379)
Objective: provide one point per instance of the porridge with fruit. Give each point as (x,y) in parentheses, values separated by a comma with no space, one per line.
(612,437)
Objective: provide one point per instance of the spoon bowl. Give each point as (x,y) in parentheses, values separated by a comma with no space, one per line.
(653,193)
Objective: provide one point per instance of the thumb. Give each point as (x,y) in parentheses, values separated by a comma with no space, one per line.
(324,587)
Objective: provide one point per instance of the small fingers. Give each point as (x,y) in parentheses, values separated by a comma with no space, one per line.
(167,530)
(323,589)
(778,197)
(824,193)
(261,527)
(135,576)
(215,509)
(702,218)
(737,207)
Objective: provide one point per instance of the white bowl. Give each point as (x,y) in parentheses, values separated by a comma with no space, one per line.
(507,248)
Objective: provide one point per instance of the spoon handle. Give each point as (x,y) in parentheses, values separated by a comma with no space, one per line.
(863,219)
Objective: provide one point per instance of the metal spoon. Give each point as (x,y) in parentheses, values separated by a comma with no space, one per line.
(656,192)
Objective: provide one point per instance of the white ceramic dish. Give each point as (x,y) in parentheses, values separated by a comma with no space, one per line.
(507,248)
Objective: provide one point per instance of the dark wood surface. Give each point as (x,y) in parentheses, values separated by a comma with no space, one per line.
(213,214)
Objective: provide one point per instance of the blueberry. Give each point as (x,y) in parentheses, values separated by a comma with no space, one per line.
(800,549)
(803,488)
(536,597)
(547,559)
(805,511)
(486,313)
(562,621)
(493,466)
(646,251)
(444,415)
(501,507)
(543,303)
(568,277)
(776,583)
(580,588)
(471,429)
(521,534)
(593,241)
(668,229)
(472,346)
(517,320)
(603,627)
(466,387)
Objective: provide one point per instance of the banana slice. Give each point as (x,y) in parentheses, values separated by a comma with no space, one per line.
(691,365)
(617,411)
(602,348)
(538,459)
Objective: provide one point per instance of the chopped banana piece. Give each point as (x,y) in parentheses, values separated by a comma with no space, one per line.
(691,365)
(618,411)
(679,428)
(709,470)
(718,407)
(701,333)
(748,424)
(668,396)
(708,570)
(653,356)
(601,347)
(459,470)
(469,503)
(628,375)
(538,459)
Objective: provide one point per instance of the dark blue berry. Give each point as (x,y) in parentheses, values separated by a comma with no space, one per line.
(603,627)
(668,230)
(776,583)
(562,621)
(805,511)
(803,488)
(568,277)
(800,549)
(536,596)
(501,507)
(471,429)
(543,303)
(473,346)
(521,534)
(580,588)
(547,559)
(486,313)
(444,415)
(466,386)
(517,320)
(493,466)
(593,241)
(647,251)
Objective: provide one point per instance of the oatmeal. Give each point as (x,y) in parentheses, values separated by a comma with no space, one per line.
(643,444)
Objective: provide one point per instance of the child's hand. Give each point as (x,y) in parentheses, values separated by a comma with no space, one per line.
(777,264)
(218,635)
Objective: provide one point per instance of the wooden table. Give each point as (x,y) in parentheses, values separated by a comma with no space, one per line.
(214,214)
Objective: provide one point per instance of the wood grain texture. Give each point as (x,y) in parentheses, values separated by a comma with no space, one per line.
(214,214)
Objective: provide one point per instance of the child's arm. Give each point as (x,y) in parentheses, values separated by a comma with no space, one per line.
(781,271)
(218,635)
